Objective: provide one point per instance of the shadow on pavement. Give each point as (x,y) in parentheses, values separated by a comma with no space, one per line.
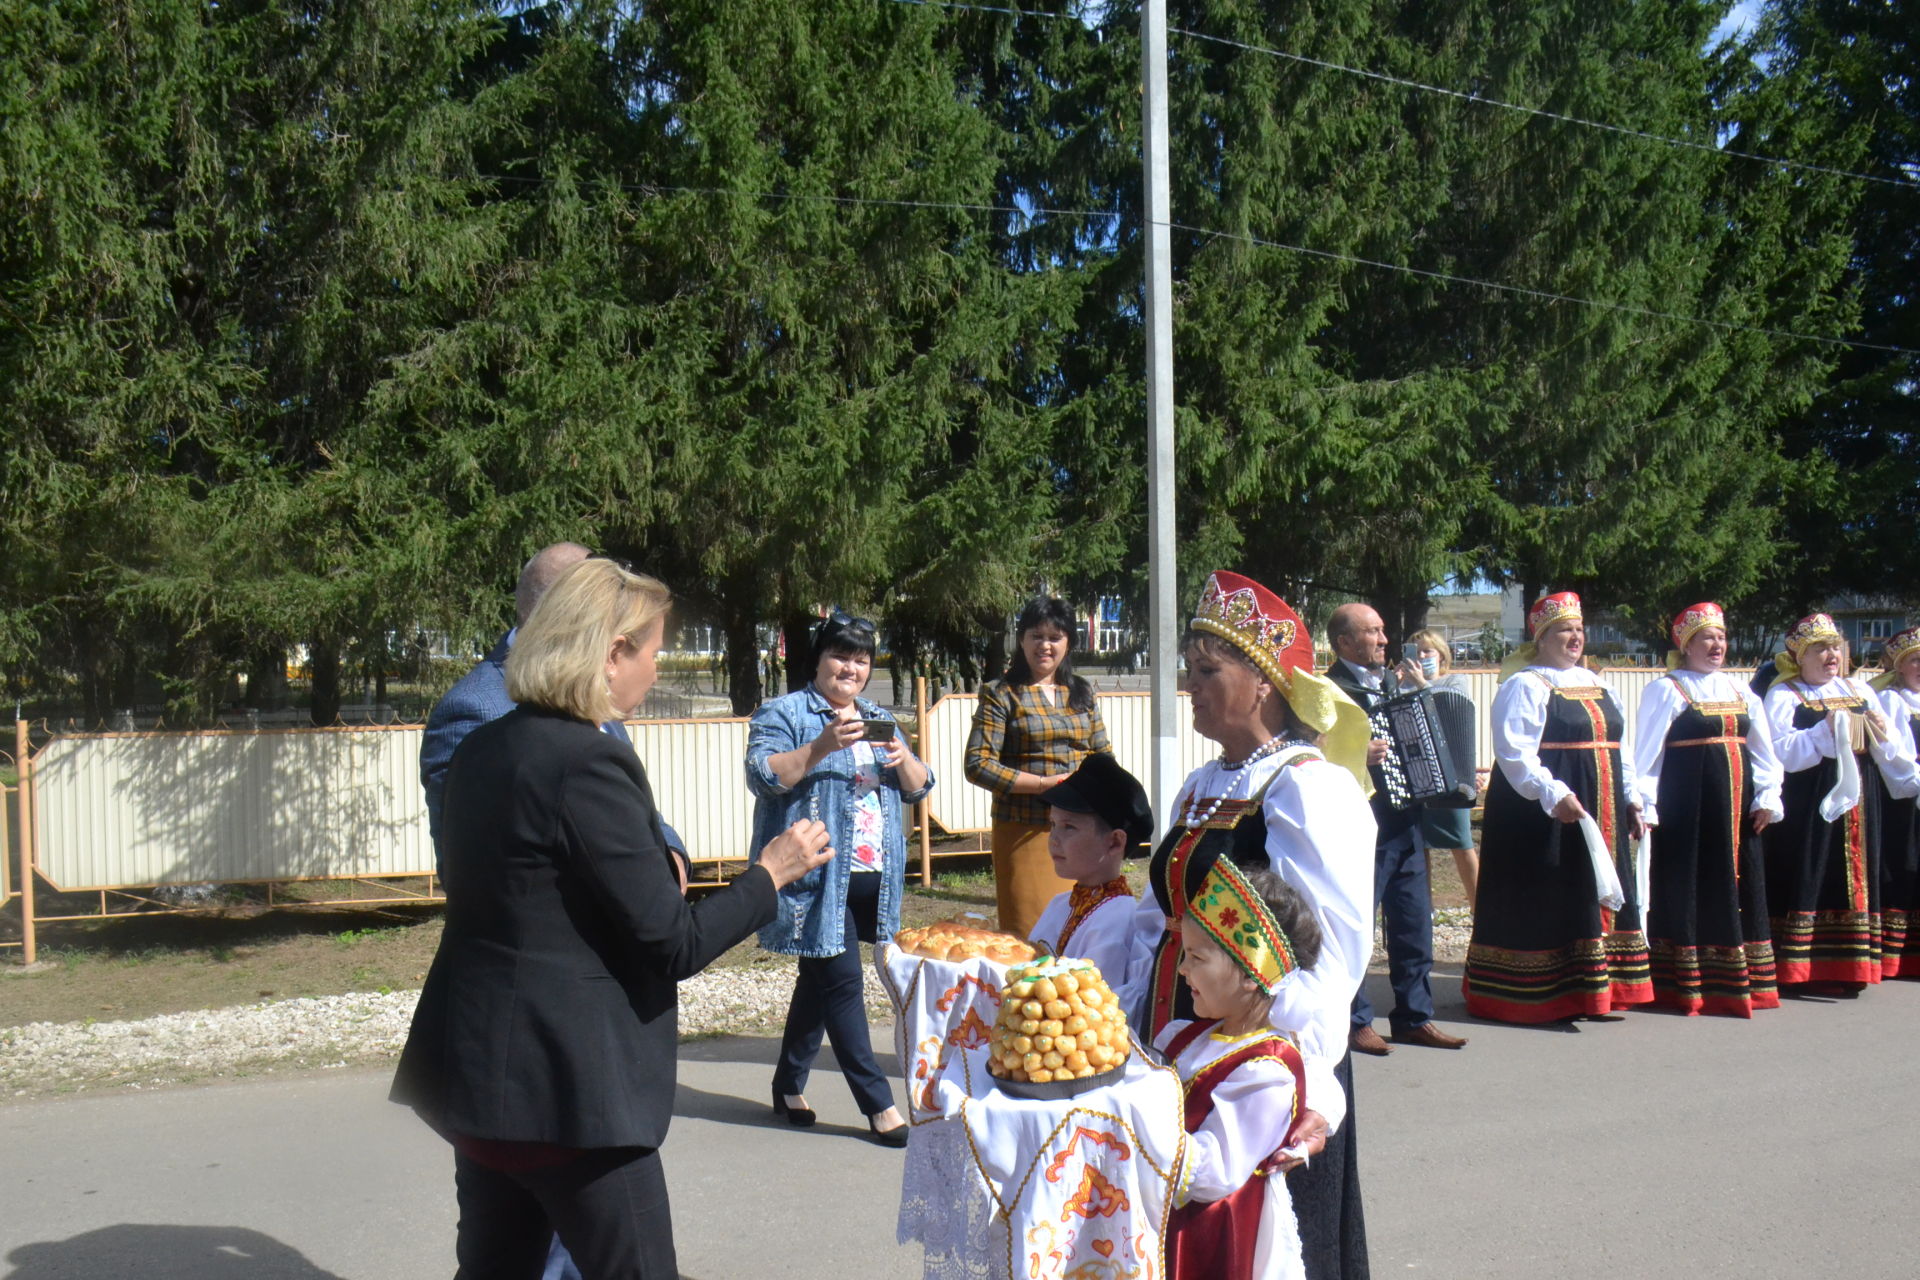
(165,1253)
(764,1050)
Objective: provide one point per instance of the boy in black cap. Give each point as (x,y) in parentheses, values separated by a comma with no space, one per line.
(1099,815)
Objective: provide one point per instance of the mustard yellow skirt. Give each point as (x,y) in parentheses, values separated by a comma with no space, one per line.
(1023,877)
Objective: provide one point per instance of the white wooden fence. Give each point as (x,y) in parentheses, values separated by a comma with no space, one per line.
(118,810)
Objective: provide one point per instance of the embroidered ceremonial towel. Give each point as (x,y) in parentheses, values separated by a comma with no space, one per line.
(939,1008)
(1643,868)
(1846,788)
(1000,1186)
(1605,877)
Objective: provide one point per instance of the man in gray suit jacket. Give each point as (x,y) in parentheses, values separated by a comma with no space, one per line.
(481,695)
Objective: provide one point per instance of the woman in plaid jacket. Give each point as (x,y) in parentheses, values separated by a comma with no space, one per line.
(1034,727)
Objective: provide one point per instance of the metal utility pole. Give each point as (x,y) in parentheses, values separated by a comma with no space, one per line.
(1162,628)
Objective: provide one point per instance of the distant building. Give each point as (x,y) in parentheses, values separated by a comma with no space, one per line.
(1866,621)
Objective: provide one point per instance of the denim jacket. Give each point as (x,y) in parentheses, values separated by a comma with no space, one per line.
(811,909)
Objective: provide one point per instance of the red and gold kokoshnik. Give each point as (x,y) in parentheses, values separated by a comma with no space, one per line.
(1237,918)
(1694,619)
(1813,627)
(1258,623)
(1548,610)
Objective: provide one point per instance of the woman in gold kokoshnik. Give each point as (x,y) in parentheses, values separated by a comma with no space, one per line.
(1287,795)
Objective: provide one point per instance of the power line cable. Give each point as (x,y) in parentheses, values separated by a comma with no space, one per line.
(1460,94)
(990,8)
(646,188)
(650,188)
(1543,294)
(1485,101)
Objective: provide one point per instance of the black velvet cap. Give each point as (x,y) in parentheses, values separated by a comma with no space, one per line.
(1108,792)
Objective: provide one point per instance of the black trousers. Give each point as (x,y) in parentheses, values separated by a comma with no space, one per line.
(829,998)
(608,1206)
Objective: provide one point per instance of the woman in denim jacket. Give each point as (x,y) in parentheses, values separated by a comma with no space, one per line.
(811,754)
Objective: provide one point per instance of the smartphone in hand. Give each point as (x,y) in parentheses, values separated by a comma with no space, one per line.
(879,730)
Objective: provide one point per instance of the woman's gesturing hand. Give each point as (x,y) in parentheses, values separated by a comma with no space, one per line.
(796,851)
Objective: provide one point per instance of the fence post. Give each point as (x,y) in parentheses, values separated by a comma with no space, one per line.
(23,753)
(922,804)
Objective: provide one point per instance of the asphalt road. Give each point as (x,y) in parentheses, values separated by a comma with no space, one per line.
(1653,1147)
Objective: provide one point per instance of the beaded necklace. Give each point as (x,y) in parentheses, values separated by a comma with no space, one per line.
(1241,770)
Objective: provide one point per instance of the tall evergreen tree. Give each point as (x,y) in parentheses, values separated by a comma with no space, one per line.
(221,227)
(1856,448)
(849,340)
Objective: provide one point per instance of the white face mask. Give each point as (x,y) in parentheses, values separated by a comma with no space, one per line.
(1430,667)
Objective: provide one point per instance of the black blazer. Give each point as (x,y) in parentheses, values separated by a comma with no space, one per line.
(1390,821)
(551,1011)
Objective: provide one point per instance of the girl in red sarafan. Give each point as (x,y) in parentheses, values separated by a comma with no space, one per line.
(1241,933)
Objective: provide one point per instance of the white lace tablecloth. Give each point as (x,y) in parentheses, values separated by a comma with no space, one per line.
(1002,1187)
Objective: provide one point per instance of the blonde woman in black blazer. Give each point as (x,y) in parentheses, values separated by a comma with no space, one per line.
(544,1043)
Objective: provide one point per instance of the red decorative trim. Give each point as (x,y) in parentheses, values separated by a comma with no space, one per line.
(1083,901)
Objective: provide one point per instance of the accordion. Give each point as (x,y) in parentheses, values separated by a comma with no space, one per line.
(1430,737)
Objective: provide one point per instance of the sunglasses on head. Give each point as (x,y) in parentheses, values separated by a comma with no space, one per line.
(625,566)
(842,623)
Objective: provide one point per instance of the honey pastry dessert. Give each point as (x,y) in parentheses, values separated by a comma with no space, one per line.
(1058,1021)
(958,940)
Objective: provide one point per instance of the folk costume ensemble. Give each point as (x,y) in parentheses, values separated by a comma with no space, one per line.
(1544,948)
(1288,808)
(1824,859)
(1900,825)
(1703,753)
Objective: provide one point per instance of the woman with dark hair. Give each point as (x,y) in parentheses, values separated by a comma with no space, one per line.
(827,754)
(1033,727)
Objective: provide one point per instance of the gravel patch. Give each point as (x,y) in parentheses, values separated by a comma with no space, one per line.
(1452,929)
(351,1030)
(325,1032)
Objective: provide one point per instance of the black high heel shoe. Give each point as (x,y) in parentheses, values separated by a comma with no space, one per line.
(894,1137)
(798,1117)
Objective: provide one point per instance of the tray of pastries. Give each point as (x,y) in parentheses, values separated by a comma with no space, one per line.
(1061,1031)
(958,940)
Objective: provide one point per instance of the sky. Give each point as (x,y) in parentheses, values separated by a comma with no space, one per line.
(1740,18)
